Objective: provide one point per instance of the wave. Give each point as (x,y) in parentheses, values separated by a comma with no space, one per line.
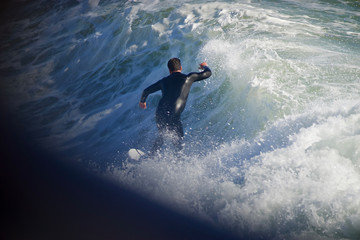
(271,139)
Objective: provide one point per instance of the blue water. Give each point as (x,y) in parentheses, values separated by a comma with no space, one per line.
(272,139)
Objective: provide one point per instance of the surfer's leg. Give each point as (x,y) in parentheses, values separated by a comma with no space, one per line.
(159,141)
(179,135)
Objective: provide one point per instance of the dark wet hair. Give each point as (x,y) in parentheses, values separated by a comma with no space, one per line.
(174,64)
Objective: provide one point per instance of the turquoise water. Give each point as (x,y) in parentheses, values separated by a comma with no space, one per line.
(272,144)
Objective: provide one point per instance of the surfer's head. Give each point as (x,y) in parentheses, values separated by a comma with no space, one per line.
(174,65)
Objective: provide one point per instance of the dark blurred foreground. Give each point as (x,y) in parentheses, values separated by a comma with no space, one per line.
(46,198)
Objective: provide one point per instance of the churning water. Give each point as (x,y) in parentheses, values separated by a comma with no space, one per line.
(272,144)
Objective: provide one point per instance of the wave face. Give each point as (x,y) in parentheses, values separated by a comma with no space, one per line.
(272,139)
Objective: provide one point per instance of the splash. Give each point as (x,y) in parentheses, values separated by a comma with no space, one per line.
(301,173)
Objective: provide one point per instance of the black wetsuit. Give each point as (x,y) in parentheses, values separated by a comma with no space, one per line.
(175,90)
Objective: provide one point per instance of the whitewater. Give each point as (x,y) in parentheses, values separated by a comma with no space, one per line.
(272,138)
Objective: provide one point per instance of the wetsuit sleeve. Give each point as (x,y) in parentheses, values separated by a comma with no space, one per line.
(151,89)
(198,76)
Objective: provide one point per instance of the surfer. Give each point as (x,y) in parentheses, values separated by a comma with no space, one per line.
(175,90)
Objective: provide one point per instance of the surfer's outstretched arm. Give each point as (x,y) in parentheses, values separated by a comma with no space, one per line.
(151,89)
(198,76)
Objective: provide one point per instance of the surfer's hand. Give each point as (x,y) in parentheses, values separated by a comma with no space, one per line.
(142,105)
(202,65)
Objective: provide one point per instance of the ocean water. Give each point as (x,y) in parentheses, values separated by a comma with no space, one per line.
(272,138)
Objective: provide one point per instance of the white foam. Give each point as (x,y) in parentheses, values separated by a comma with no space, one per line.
(279,116)
(307,177)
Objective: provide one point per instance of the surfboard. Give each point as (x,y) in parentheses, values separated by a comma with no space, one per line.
(135,154)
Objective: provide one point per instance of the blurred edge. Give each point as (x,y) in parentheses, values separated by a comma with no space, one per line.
(46,198)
